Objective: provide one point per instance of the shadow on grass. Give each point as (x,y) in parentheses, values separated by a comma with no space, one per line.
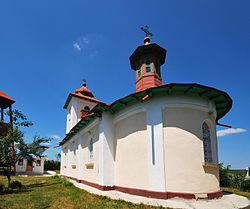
(26,188)
(14,191)
(226,192)
(38,185)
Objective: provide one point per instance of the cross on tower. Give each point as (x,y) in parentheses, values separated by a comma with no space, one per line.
(146,31)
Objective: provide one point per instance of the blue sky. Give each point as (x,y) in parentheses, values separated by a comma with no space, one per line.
(48,47)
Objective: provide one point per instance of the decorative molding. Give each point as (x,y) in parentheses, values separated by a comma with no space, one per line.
(148,193)
(211,165)
(127,113)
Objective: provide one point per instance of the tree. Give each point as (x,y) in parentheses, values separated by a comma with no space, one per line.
(22,149)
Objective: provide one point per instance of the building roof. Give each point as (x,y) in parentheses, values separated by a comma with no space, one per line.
(222,100)
(82,93)
(5,100)
(92,99)
(140,51)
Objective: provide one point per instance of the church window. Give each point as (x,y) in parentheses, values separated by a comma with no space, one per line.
(90,158)
(138,70)
(206,143)
(74,156)
(148,65)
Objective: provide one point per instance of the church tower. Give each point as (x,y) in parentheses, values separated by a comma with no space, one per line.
(146,61)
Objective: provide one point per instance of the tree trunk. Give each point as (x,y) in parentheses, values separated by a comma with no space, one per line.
(8,176)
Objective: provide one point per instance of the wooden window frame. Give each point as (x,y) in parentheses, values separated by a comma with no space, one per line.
(148,65)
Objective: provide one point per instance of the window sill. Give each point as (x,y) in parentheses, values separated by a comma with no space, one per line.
(210,165)
(89,165)
(73,166)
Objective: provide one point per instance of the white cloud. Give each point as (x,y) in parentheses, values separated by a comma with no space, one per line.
(85,40)
(55,136)
(230,131)
(46,143)
(77,46)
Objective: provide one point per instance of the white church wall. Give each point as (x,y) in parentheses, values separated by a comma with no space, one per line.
(183,144)
(89,169)
(72,168)
(74,111)
(106,150)
(64,163)
(131,155)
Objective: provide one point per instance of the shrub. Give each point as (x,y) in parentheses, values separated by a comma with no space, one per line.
(224,176)
(1,187)
(15,184)
(55,177)
(66,182)
(51,165)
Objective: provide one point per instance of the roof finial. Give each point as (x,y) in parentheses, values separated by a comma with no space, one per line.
(84,82)
(147,33)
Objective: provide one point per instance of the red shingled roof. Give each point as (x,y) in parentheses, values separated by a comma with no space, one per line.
(5,100)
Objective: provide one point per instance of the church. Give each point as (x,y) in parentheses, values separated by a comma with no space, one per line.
(159,141)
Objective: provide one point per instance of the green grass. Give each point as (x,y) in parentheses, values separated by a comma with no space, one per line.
(55,192)
(48,192)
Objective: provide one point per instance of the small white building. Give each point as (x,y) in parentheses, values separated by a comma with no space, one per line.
(26,165)
(159,141)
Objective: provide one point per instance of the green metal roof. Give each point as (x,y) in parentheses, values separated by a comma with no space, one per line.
(222,100)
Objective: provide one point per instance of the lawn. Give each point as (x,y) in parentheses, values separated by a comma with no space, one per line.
(46,192)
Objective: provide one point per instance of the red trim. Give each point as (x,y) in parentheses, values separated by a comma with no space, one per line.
(142,192)
(6,97)
(220,124)
(70,132)
(213,195)
(147,193)
(144,98)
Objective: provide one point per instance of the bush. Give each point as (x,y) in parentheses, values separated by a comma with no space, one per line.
(233,179)
(224,176)
(66,182)
(1,187)
(51,165)
(55,177)
(15,184)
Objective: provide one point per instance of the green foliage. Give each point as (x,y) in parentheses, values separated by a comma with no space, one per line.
(51,165)
(21,149)
(65,182)
(233,179)
(55,177)
(1,187)
(224,176)
(19,119)
(15,184)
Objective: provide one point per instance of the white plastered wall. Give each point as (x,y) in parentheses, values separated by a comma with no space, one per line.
(106,150)
(21,168)
(36,169)
(74,111)
(89,173)
(184,157)
(131,155)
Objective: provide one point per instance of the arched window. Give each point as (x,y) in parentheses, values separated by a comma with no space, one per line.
(206,143)
(91,150)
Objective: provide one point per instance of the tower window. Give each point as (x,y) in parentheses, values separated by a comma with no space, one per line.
(91,155)
(138,68)
(206,143)
(148,65)
(157,67)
